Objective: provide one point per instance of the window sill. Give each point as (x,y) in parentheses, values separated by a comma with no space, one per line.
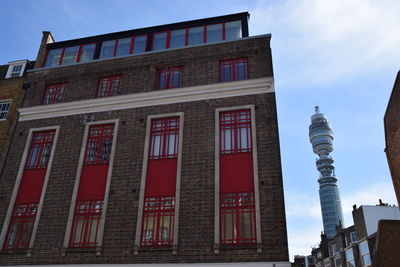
(218,247)
(23,251)
(136,250)
(96,250)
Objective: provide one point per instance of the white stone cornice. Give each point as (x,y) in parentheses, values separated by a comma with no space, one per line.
(153,98)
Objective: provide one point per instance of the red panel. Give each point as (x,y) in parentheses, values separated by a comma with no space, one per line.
(161,177)
(236,172)
(93,182)
(31,185)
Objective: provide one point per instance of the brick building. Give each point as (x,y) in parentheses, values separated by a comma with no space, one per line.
(392,135)
(11,97)
(156,145)
(357,245)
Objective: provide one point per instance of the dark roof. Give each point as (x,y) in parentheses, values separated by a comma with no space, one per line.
(149,30)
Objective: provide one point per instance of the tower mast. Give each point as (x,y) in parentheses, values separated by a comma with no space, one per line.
(321,138)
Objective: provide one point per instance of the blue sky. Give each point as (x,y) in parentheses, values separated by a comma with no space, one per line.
(341,55)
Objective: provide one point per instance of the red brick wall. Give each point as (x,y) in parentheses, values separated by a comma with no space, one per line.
(392,133)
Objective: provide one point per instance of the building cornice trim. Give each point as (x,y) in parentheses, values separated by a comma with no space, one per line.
(153,98)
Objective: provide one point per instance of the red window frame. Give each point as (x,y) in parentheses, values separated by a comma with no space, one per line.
(54,93)
(158,222)
(164,138)
(20,228)
(40,149)
(109,86)
(232,65)
(235,132)
(237,202)
(168,45)
(238,218)
(99,144)
(159,199)
(131,45)
(169,79)
(86,224)
(21,225)
(78,56)
(90,200)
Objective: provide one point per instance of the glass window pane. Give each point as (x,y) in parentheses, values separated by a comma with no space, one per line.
(175,80)
(53,58)
(233,30)
(162,84)
(87,52)
(241,71)
(140,44)
(160,41)
(70,55)
(196,35)
(178,38)
(214,33)
(171,144)
(107,49)
(124,46)
(226,72)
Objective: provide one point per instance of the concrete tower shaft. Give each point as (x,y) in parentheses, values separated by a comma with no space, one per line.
(321,138)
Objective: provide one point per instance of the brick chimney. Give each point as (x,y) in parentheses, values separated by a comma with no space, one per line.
(47,38)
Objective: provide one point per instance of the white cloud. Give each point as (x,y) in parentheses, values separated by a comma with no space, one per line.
(367,195)
(300,205)
(330,40)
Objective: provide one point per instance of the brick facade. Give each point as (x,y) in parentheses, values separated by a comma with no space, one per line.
(9,89)
(392,134)
(200,66)
(196,213)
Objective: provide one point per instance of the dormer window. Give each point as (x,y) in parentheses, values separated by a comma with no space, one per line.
(16,68)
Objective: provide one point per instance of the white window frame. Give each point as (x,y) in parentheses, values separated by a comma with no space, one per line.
(352,259)
(13,64)
(144,176)
(368,253)
(352,240)
(217,177)
(77,182)
(5,101)
(18,182)
(336,258)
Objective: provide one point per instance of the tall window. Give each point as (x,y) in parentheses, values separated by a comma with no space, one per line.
(90,199)
(54,93)
(109,86)
(168,78)
(234,70)
(4,106)
(364,253)
(237,201)
(350,258)
(29,192)
(159,200)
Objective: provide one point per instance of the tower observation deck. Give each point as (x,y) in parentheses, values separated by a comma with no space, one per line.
(321,138)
